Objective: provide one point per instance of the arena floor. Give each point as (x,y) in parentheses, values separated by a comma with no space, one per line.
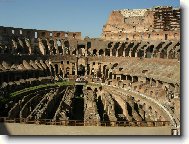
(32,129)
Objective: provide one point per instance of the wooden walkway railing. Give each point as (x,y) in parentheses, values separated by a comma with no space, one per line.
(87,123)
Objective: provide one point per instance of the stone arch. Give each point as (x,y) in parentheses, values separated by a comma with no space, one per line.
(140,53)
(110,75)
(74,52)
(149,51)
(114,65)
(171,54)
(147,80)
(88,69)
(128,48)
(101,52)
(121,49)
(129,78)
(67,47)
(153,83)
(81,70)
(47,51)
(56,69)
(54,51)
(89,88)
(51,42)
(107,52)
(48,71)
(171,87)
(123,77)
(163,53)
(88,45)
(59,45)
(61,72)
(92,71)
(104,70)
(134,49)
(110,44)
(94,52)
(135,79)
(67,72)
(114,50)
(73,69)
(52,70)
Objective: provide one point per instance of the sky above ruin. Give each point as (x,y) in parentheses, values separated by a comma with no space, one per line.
(86,16)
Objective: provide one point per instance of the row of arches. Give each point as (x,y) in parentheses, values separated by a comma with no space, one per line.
(56,48)
(58,69)
(170,50)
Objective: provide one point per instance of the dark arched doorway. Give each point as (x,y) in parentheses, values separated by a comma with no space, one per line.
(81,70)
(56,68)
(66,47)
(52,71)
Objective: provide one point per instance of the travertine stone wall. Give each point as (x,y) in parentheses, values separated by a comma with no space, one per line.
(161,22)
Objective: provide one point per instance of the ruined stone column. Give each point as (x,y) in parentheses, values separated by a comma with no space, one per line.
(103,54)
(157,83)
(125,111)
(150,81)
(56,47)
(136,54)
(167,55)
(62,44)
(130,53)
(144,54)
(158,55)
(100,69)
(110,52)
(152,56)
(77,50)
(76,68)
(85,69)
(109,74)
(124,52)
(176,89)
(86,51)
(116,53)
(91,66)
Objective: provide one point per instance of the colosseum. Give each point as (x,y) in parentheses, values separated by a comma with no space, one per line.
(126,81)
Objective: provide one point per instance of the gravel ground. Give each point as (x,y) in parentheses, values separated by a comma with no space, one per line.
(32,129)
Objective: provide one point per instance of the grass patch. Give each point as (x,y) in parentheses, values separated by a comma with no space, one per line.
(41,86)
(94,84)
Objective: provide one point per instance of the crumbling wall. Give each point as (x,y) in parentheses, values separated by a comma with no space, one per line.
(134,24)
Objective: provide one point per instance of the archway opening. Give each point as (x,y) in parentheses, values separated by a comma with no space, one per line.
(67,72)
(81,70)
(149,51)
(54,50)
(52,71)
(118,111)
(59,47)
(67,47)
(81,49)
(94,52)
(56,68)
(107,52)
(101,52)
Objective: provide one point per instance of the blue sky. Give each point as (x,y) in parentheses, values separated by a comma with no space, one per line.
(86,16)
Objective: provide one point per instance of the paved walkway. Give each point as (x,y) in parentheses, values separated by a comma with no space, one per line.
(32,129)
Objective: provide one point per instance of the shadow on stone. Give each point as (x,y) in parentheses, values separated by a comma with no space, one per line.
(3,129)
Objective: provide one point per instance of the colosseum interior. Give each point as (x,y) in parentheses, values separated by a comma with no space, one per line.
(129,77)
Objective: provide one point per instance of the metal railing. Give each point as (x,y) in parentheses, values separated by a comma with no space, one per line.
(86,123)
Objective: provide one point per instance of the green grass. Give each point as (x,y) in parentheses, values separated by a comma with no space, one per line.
(94,84)
(41,86)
